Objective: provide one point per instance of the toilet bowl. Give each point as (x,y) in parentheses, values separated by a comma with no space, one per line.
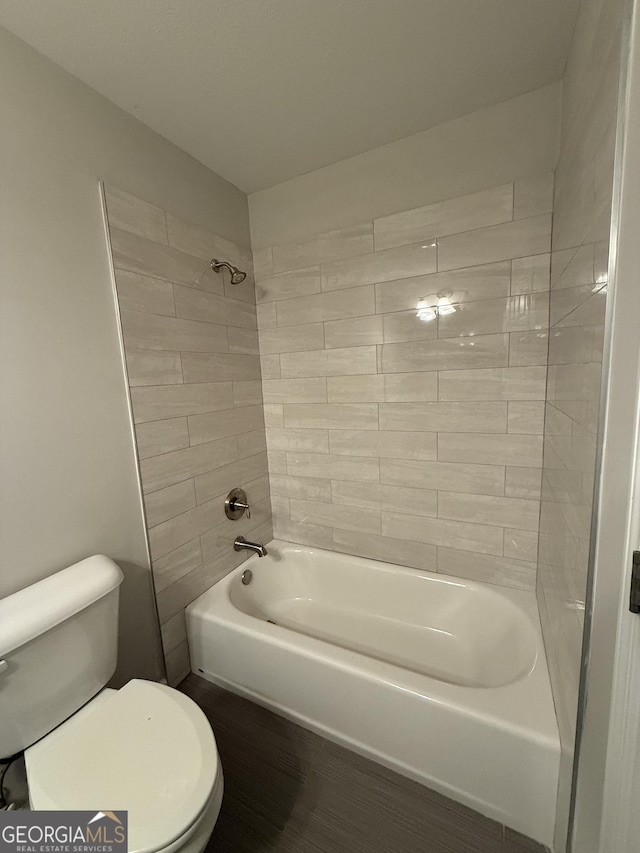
(146,749)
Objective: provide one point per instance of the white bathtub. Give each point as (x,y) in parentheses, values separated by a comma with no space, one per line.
(441,679)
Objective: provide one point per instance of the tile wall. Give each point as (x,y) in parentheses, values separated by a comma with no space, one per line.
(579,260)
(400,439)
(191,349)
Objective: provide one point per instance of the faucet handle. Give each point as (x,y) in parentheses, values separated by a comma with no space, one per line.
(236,504)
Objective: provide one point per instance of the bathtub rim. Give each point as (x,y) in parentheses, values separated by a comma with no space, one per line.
(539,724)
(309,685)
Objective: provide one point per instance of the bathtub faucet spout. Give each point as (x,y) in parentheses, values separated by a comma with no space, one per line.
(258,548)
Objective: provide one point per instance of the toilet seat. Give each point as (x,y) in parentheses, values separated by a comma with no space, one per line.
(146,748)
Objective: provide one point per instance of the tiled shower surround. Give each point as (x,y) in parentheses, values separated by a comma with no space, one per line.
(191,350)
(388,436)
(579,273)
(400,439)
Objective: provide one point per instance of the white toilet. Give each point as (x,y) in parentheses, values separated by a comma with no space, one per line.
(145,748)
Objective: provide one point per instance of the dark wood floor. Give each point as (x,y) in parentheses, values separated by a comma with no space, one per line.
(290,791)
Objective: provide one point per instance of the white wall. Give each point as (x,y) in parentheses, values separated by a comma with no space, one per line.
(515,139)
(68,472)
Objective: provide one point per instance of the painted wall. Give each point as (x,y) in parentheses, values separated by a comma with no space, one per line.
(191,346)
(402,436)
(579,273)
(498,145)
(69,485)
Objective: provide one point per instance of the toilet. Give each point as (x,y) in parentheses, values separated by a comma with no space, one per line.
(145,748)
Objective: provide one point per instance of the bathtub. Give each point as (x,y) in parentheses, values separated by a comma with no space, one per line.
(439,678)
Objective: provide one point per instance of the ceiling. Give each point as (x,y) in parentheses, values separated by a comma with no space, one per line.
(264,90)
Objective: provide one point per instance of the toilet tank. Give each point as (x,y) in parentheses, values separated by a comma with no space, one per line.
(58,648)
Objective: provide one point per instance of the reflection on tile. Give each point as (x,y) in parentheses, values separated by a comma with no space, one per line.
(407,326)
(489,281)
(513,314)
(530,275)
(488,207)
(572,267)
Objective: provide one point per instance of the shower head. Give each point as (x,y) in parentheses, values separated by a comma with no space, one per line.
(237,275)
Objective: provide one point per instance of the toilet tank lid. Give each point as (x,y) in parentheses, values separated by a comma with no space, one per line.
(32,611)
